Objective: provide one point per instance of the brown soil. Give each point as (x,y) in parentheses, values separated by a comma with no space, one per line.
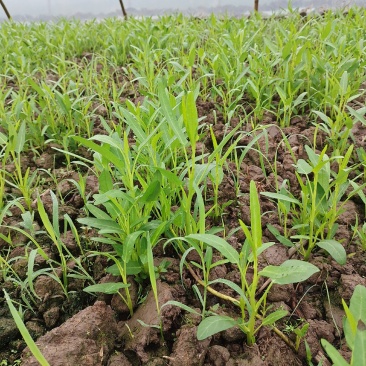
(83,330)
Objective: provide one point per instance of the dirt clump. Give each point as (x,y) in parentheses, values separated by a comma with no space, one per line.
(141,333)
(87,339)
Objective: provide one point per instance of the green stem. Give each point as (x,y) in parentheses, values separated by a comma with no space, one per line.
(253,303)
(311,242)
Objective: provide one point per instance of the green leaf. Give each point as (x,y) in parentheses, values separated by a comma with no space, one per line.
(301,332)
(132,268)
(3,139)
(190,117)
(236,288)
(260,250)
(219,244)
(303,167)
(182,306)
(282,239)
(334,355)
(214,324)
(335,249)
(30,271)
(355,313)
(108,226)
(168,112)
(173,180)
(36,87)
(97,212)
(134,124)
(281,93)
(275,316)
(255,218)
(323,117)
(106,288)
(350,325)
(152,192)
(344,83)
(129,245)
(63,101)
(313,156)
(299,99)
(25,333)
(151,268)
(20,138)
(358,114)
(203,170)
(45,220)
(281,197)
(291,271)
(105,181)
(358,303)
(102,198)
(359,348)
(103,150)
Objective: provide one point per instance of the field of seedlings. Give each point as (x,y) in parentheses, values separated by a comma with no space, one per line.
(183,191)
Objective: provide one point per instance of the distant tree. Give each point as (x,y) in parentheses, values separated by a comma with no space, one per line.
(256,3)
(122,7)
(5,9)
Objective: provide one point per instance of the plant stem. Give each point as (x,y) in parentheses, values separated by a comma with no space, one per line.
(311,239)
(237,302)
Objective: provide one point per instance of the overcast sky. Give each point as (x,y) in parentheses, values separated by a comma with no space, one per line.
(70,7)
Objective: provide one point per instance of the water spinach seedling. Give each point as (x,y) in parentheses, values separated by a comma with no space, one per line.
(354,330)
(323,195)
(251,307)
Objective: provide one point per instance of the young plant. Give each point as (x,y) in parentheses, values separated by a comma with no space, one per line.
(52,228)
(322,199)
(354,330)
(360,232)
(251,308)
(22,180)
(127,221)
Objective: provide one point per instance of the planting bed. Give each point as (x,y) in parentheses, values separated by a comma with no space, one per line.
(270,98)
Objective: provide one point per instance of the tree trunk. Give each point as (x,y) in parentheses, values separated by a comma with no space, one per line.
(256,3)
(5,9)
(122,7)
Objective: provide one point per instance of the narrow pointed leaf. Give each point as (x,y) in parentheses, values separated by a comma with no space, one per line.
(273,317)
(255,217)
(101,224)
(106,288)
(152,192)
(182,306)
(190,117)
(219,244)
(334,355)
(280,197)
(168,112)
(25,333)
